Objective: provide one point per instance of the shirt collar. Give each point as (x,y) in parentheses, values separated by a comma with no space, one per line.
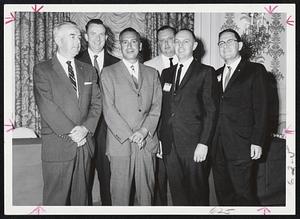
(63,59)
(92,54)
(187,63)
(234,64)
(128,64)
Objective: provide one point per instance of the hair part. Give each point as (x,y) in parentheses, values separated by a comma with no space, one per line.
(130,29)
(237,36)
(94,21)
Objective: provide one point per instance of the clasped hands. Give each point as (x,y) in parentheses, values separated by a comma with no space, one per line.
(139,137)
(78,135)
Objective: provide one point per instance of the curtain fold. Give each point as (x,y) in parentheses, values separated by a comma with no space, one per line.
(34,43)
(155,20)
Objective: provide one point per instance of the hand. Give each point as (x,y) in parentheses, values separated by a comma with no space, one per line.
(141,145)
(81,143)
(200,153)
(78,133)
(139,136)
(256,152)
(159,152)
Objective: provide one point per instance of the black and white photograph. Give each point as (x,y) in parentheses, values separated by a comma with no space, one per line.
(178,109)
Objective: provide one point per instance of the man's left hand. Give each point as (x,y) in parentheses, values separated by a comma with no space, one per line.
(200,153)
(256,152)
(139,136)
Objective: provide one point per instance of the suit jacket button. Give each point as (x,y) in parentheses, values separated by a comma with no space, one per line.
(138,95)
(140,110)
(173,114)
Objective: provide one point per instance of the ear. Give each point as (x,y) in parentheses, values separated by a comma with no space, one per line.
(86,37)
(195,45)
(57,40)
(240,46)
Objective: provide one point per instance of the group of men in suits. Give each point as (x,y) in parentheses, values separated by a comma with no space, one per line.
(152,125)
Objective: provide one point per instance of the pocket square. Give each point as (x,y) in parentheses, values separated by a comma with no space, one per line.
(167,87)
(87,82)
(219,78)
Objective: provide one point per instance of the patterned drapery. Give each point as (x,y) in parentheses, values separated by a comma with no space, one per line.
(155,20)
(34,43)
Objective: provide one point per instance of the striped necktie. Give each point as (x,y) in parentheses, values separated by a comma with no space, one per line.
(96,64)
(135,80)
(72,76)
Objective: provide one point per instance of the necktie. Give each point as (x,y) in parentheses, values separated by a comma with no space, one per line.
(96,64)
(227,78)
(171,63)
(72,75)
(135,80)
(178,77)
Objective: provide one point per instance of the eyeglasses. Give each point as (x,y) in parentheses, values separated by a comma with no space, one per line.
(230,42)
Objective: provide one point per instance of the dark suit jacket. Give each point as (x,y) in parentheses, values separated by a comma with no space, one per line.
(108,59)
(188,117)
(243,110)
(60,108)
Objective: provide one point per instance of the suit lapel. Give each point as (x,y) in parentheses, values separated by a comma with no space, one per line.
(86,57)
(127,75)
(57,67)
(187,75)
(80,80)
(235,75)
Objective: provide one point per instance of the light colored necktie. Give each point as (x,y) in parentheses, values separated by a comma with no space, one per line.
(227,78)
(72,75)
(135,80)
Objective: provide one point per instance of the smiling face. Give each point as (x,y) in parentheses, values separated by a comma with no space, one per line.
(166,42)
(185,44)
(230,50)
(68,40)
(96,37)
(130,46)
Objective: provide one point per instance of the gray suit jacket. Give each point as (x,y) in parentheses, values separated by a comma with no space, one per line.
(61,110)
(127,108)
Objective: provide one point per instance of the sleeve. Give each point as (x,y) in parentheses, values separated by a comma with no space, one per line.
(95,108)
(50,112)
(151,121)
(260,103)
(209,98)
(117,125)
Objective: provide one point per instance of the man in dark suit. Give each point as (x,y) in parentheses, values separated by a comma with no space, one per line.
(69,101)
(241,125)
(97,56)
(187,122)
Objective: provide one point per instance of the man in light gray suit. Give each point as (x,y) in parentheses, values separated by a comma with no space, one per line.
(69,101)
(167,57)
(132,97)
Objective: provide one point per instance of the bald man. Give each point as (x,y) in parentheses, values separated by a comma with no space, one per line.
(187,123)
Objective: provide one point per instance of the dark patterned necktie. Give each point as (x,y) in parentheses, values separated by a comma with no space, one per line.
(227,78)
(96,64)
(72,76)
(178,77)
(171,62)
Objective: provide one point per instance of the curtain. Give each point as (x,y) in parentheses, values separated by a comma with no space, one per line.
(155,20)
(34,43)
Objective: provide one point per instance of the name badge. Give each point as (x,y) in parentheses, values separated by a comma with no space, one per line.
(167,87)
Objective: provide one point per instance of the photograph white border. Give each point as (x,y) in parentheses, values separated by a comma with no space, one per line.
(289,209)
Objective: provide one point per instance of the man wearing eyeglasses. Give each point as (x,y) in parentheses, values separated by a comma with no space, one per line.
(167,57)
(241,126)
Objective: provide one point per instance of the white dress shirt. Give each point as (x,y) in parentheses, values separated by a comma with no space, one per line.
(100,58)
(185,67)
(63,61)
(233,67)
(166,60)
(134,73)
